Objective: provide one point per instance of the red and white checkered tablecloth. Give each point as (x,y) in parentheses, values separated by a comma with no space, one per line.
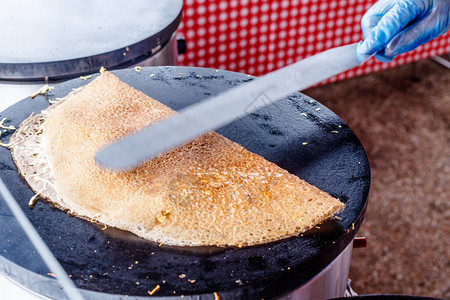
(257,37)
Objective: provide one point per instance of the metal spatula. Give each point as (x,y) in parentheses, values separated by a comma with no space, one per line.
(224,108)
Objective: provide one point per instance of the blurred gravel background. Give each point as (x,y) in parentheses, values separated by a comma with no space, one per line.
(402,117)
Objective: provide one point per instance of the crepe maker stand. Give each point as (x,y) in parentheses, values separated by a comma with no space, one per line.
(46,41)
(113,264)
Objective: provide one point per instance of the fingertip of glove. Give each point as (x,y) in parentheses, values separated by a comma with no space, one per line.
(384,58)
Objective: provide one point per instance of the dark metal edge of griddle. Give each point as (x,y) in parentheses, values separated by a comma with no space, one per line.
(71,68)
(275,268)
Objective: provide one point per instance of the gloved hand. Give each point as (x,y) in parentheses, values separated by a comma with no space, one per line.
(392,27)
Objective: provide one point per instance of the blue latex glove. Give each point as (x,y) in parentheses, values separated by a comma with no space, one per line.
(392,27)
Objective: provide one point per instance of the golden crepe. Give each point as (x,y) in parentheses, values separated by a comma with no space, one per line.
(210,191)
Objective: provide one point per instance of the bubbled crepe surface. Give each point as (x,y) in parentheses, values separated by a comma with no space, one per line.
(210,191)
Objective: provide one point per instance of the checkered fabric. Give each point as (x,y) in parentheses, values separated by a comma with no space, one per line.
(257,37)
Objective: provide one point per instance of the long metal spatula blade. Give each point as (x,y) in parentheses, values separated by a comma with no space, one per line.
(224,108)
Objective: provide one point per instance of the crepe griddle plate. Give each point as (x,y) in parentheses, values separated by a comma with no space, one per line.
(117,262)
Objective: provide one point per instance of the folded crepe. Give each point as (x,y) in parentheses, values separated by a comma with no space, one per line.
(210,191)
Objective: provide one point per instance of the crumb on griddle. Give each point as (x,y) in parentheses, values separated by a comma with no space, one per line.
(152,292)
(137,69)
(86,77)
(102,70)
(7,146)
(42,91)
(53,101)
(6,128)
(33,200)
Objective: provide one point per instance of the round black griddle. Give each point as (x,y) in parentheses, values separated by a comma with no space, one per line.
(105,260)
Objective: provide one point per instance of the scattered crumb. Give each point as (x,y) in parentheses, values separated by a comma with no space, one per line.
(154,290)
(334,131)
(33,200)
(304,143)
(137,69)
(216,296)
(182,276)
(51,274)
(2,126)
(7,146)
(43,90)
(152,75)
(318,109)
(303,114)
(162,217)
(102,70)
(192,280)
(86,77)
